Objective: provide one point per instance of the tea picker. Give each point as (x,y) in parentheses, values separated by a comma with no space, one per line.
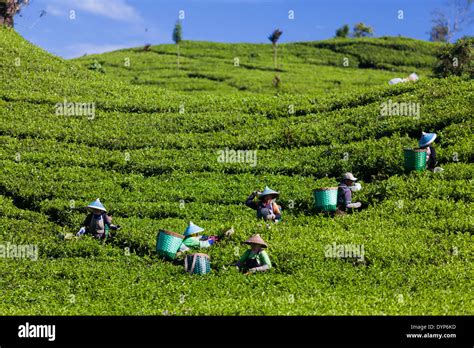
(344,192)
(266,206)
(194,240)
(255,259)
(97,222)
(426,142)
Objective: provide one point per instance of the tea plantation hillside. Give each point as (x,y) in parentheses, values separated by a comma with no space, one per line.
(306,67)
(151,155)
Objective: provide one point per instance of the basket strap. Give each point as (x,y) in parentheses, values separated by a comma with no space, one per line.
(193,264)
(186,263)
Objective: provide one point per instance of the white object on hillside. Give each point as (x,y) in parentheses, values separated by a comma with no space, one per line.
(412,77)
(395,81)
(356,187)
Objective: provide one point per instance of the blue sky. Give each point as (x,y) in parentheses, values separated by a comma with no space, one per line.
(105,25)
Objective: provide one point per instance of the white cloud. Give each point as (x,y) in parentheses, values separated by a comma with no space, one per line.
(114,9)
(54,11)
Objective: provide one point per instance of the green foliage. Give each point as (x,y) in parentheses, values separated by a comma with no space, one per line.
(455,59)
(178,33)
(151,154)
(96,66)
(439,33)
(275,36)
(362,30)
(343,31)
(210,67)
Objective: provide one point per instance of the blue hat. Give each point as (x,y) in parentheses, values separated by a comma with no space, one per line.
(97,205)
(426,139)
(192,229)
(268,192)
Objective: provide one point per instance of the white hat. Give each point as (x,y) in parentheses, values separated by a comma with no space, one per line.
(349,176)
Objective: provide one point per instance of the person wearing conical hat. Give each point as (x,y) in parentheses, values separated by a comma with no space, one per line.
(266,206)
(255,259)
(193,238)
(97,222)
(426,142)
(344,193)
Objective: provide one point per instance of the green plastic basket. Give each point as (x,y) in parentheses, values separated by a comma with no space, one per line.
(168,243)
(325,199)
(197,264)
(415,159)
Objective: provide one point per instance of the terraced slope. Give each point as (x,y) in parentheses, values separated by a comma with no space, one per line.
(334,65)
(151,155)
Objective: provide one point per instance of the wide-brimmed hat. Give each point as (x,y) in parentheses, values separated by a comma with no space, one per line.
(426,139)
(256,239)
(349,176)
(97,205)
(192,229)
(268,192)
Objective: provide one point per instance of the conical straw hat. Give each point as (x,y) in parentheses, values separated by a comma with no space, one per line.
(426,139)
(97,205)
(268,192)
(192,229)
(256,239)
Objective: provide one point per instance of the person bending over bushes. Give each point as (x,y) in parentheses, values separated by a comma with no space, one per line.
(194,240)
(266,206)
(255,259)
(426,142)
(97,222)
(344,193)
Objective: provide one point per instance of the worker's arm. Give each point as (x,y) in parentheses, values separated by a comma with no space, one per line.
(84,226)
(108,221)
(191,242)
(276,209)
(264,261)
(348,200)
(243,258)
(87,221)
(206,243)
(250,201)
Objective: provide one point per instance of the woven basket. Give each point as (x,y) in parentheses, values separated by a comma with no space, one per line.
(325,199)
(415,159)
(197,264)
(168,243)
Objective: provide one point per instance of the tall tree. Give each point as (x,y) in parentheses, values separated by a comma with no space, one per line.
(177,36)
(439,31)
(362,30)
(8,10)
(274,37)
(449,21)
(343,31)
